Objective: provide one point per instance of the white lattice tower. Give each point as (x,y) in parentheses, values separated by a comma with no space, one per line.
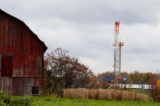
(116,49)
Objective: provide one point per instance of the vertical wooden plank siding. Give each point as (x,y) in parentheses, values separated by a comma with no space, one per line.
(17,86)
(18,65)
(21,57)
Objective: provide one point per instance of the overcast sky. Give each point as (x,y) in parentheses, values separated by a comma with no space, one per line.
(86,29)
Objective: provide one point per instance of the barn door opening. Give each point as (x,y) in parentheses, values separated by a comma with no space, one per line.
(6,65)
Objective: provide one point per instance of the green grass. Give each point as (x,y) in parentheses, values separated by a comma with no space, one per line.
(52,101)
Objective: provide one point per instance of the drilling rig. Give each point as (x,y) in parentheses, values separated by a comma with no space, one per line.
(117,50)
(116,78)
(117,57)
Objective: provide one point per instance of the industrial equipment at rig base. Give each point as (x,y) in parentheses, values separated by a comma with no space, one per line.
(117,50)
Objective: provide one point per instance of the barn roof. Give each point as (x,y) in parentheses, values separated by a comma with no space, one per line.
(45,47)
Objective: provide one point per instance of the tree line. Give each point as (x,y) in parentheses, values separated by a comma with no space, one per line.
(63,71)
(135,77)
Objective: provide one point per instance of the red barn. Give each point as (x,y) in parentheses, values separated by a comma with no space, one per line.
(21,58)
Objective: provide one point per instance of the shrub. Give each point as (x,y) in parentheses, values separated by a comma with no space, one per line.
(6,100)
(158,85)
(154,90)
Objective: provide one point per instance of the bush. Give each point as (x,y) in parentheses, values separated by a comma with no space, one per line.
(6,100)
(155,89)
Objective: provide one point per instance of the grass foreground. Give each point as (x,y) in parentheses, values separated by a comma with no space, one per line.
(53,101)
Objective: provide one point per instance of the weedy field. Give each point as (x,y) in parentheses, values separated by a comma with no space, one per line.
(52,101)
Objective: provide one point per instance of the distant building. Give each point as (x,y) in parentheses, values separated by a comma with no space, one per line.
(135,86)
(111,78)
(21,58)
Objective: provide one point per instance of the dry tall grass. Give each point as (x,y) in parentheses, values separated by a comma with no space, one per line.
(80,93)
(125,95)
(108,94)
(92,94)
(65,93)
(116,95)
(140,96)
(103,94)
(128,95)
(132,96)
(69,93)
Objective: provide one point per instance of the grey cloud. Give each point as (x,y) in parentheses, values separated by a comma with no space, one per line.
(85,28)
(88,12)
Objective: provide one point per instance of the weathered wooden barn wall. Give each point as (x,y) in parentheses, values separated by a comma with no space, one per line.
(21,57)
